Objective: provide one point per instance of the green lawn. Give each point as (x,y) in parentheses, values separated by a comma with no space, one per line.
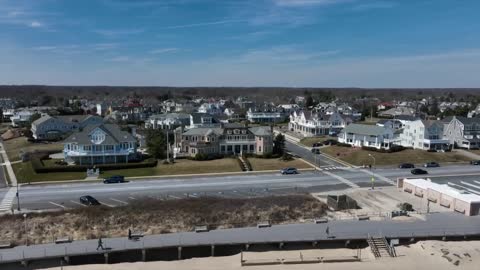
(357,156)
(309,141)
(260,164)
(25,172)
(15,146)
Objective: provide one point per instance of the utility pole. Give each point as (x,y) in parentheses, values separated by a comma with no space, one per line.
(168,147)
(373,177)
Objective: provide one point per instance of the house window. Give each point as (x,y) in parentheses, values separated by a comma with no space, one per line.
(223,148)
(87,148)
(108,147)
(229,148)
(252,147)
(259,149)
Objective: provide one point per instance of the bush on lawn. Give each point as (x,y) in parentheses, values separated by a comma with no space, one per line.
(204,157)
(39,166)
(393,149)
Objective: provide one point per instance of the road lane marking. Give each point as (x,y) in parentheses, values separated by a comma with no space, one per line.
(59,205)
(381,177)
(463,188)
(78,203)
(109,205)
(469,184)
(131,198)
(341,179)
(115,200)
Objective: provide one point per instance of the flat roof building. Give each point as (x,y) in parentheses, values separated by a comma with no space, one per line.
(458,200)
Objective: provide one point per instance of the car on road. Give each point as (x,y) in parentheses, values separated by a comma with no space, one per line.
(406,166)
(475,162)
(89,200)
(114,179)
(431,164)
(418,171)
(289,171)
(315,151)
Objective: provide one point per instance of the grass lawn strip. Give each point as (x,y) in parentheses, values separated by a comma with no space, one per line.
(14,146)
(309,141)
(358,156)
(262,164)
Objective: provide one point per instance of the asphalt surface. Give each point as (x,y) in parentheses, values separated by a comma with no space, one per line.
(435,225)
(64,196)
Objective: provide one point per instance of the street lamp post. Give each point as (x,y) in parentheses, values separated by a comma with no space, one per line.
(18,199)
(26,234)
(373,178)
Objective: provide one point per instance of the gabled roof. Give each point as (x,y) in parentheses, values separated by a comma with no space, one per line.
(203,131)
(113,135)
(467,121)
(197,118)
(261,131)
(373,130)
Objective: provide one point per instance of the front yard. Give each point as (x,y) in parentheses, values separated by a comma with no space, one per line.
(260,164)
(25,172)
(358,156)
(15,146)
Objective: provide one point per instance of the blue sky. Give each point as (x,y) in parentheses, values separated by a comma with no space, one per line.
(299,43)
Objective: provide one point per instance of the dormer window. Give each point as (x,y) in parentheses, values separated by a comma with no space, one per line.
(236,131)
(229,132)
(244,131)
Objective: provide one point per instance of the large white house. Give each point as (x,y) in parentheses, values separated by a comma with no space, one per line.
(367,135)
(55,127)
(169,121)
(100,144)
(463,132)
(309,123)
(424,135)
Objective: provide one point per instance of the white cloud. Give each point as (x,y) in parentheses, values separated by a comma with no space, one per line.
(118,32)
(120,59)
(374,5)
(164,50)
(283,54)
(36,24)
(204,24)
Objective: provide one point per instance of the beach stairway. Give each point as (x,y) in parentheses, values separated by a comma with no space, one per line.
(380,247)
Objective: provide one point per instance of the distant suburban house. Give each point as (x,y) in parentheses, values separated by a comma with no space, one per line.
(390,123)
(56,127)
(227,140)
(391,113)
(271,115)
(424,135)
(463,132)
(310,123)
(367,135)
(199,120)
(211,108)
(100,144)
(168,121)
(21,118)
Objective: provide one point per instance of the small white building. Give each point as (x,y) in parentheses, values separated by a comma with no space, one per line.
(367,135)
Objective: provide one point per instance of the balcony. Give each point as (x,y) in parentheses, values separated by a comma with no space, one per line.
(78,153)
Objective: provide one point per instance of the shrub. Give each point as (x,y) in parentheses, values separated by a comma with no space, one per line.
(286,157)
(343,144)
(393,149)
(203,157)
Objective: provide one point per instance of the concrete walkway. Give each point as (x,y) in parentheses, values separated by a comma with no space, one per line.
(8,164)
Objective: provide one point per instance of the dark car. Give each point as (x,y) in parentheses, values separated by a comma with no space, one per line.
(475,162)
(330,142)
(89,200)
(431,164)
(406,166)
(418,171)
(114,179)
(315,151)
(289,171)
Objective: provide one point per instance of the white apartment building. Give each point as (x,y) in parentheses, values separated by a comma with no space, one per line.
(309,123)
(424,135)
(367,135)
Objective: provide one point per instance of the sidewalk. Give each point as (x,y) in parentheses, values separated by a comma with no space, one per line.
(8,165)
(467,154)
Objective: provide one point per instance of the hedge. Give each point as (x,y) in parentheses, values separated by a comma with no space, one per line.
(39,167)
(393,149)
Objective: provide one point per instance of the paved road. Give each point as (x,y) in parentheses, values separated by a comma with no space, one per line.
(435,225)
(306,153)
(37,197)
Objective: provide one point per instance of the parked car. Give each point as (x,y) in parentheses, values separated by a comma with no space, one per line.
(289,171)
(475,162)
(406,166)
(431,164)
(418,171)
(330,142)
(114,179)
(89,200)
(318,144)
